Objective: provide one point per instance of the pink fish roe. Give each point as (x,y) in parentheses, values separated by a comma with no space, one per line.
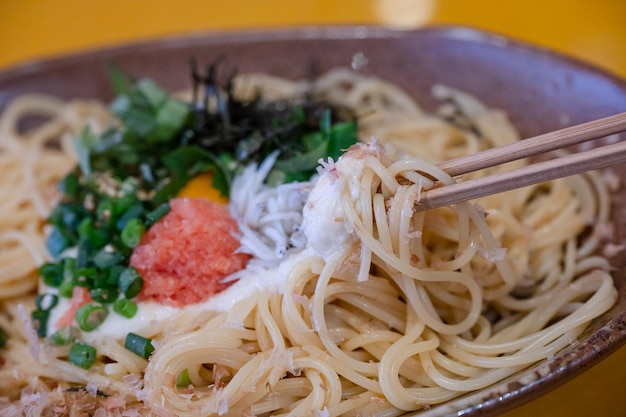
(185,255)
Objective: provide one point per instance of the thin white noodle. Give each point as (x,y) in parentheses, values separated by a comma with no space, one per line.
(410,310)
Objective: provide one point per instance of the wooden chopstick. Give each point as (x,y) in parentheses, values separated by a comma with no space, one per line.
(536,145)
(576,163)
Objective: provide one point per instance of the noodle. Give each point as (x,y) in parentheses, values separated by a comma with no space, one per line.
(382,309)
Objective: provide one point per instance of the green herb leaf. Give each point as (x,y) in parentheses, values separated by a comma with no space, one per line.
(83,145)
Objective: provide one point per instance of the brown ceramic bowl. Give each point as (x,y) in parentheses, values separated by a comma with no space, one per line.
(539,89)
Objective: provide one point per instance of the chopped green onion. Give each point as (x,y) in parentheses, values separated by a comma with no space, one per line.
(70,185)
(132,233)
(91,315)
(64,336)
(139,345)
(40,322)
(82,355)
(133,212)
(103,295)
(66,288)
(125,307)
(182,380)
(106,257)
(95,237)
(57,242)
(52,274)
(3,338)
(46,302)
(156,214)
(105,210)
(130,282)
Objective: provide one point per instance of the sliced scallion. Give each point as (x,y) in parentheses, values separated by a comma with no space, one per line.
(52,274)
(46,302)
(57,242)
(132,233)
(130,282)
(156,214)
(182,380)
(91,315)
(103,295)
(139,345)
(66,288)
(125,308)
(64,336)
(39,319)
(106,258)
(82,355)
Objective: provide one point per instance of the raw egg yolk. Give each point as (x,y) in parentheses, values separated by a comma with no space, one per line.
(202,186)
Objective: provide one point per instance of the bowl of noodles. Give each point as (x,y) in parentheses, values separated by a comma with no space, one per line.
(338,297)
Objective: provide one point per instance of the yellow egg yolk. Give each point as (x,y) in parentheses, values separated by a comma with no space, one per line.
(202,186)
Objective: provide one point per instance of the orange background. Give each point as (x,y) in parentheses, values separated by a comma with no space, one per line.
(591,30)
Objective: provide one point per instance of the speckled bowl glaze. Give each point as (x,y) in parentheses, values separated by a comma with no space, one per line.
(539,89)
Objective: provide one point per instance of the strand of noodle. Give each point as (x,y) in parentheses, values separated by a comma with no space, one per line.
(599,302)
(461,258)
(495,252)
(28,242)
(18,288)
(457,368)
(354,402)
(345,369)
(391,361)
(313,401)
(330,387)
(390,259)
(379,311)
(360,340)
(265,318)
(589,199)
(568,267)
(319,321)
(394,220)
(286,391)
(593,262)
(380,217)
(298,331)
(485,379)
(257,375)
(387,299)
(62,370)
(404,230)
(26,104)
(367,182)
(566,225)
(131,362)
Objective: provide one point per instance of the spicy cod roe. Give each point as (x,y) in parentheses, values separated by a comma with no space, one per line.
(184,258)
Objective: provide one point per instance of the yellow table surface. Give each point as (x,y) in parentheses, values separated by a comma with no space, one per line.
(591,30)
